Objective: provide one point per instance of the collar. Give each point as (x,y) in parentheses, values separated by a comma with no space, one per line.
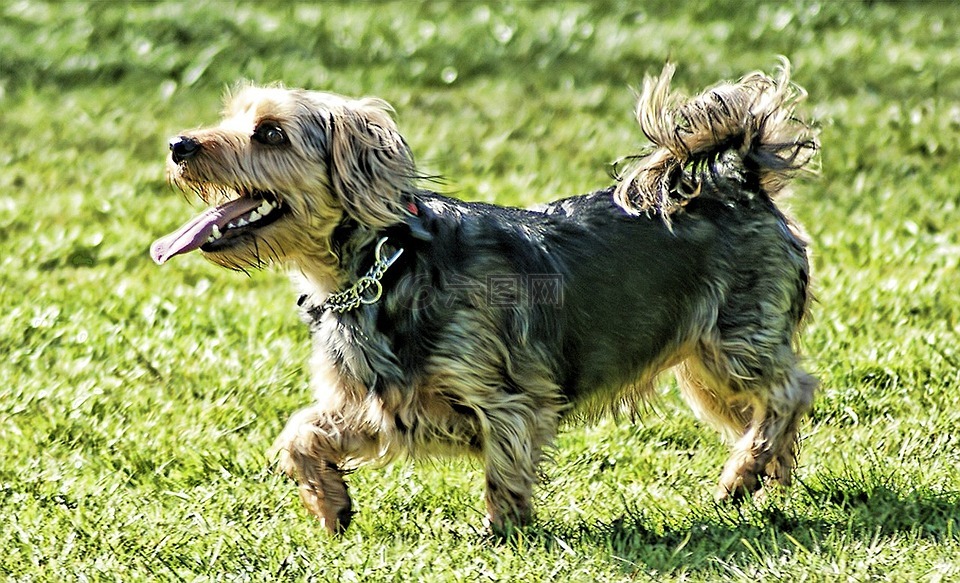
(410,231)
(366,290)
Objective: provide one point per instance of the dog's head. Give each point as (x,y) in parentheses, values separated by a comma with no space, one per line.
(280,172)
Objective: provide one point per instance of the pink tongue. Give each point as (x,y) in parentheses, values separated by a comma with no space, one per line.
(195,232)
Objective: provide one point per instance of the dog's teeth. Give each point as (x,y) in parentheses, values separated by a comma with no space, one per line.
(255,216)
(242,223)
(231,226)
(214,234)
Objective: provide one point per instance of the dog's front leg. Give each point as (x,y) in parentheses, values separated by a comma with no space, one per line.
(513,447)
(509,487)
(312,449)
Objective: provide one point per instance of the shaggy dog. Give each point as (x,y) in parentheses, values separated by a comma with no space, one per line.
(443,326)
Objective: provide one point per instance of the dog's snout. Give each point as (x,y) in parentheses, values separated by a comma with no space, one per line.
(183,148)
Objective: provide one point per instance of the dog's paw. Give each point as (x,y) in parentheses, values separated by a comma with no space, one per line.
(329,503)
(736,488)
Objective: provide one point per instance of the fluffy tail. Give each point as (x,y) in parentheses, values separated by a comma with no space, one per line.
(752,118)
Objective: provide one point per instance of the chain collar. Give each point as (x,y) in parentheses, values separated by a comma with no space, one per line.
(367,289)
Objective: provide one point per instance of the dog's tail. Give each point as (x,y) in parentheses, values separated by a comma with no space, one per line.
(693,140)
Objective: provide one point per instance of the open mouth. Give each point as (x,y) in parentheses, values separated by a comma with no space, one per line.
(221,226)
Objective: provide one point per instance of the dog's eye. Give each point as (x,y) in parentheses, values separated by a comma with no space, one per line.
(270,134)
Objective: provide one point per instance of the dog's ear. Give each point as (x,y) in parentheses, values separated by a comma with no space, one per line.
(371,168)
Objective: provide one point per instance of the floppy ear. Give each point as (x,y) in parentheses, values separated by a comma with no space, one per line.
(371,168)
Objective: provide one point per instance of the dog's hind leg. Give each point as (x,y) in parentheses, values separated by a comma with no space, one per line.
(312,450)
(710,400)
(781,425)
(760,416)
(745,372)
(768,446)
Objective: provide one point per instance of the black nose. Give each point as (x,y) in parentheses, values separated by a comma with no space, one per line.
(183,148)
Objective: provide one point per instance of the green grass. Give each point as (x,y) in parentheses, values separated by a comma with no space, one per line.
(136,402)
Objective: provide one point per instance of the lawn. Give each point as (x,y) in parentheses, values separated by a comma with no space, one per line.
(137,402)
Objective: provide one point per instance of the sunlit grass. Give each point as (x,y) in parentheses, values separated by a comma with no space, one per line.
(136,402)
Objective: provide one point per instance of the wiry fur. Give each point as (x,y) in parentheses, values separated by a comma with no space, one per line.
(753,118)
(687,263)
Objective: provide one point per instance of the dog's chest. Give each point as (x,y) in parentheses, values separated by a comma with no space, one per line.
(351,344)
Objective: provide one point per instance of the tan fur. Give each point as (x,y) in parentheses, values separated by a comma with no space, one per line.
(757,113)
(362,133)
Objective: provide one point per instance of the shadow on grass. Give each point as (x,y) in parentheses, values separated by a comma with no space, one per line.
(820,518)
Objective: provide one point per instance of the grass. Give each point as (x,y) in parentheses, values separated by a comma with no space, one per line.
(136,402)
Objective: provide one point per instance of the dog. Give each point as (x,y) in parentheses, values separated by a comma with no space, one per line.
(445,327)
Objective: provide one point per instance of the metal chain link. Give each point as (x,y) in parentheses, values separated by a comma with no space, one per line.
(358,294)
